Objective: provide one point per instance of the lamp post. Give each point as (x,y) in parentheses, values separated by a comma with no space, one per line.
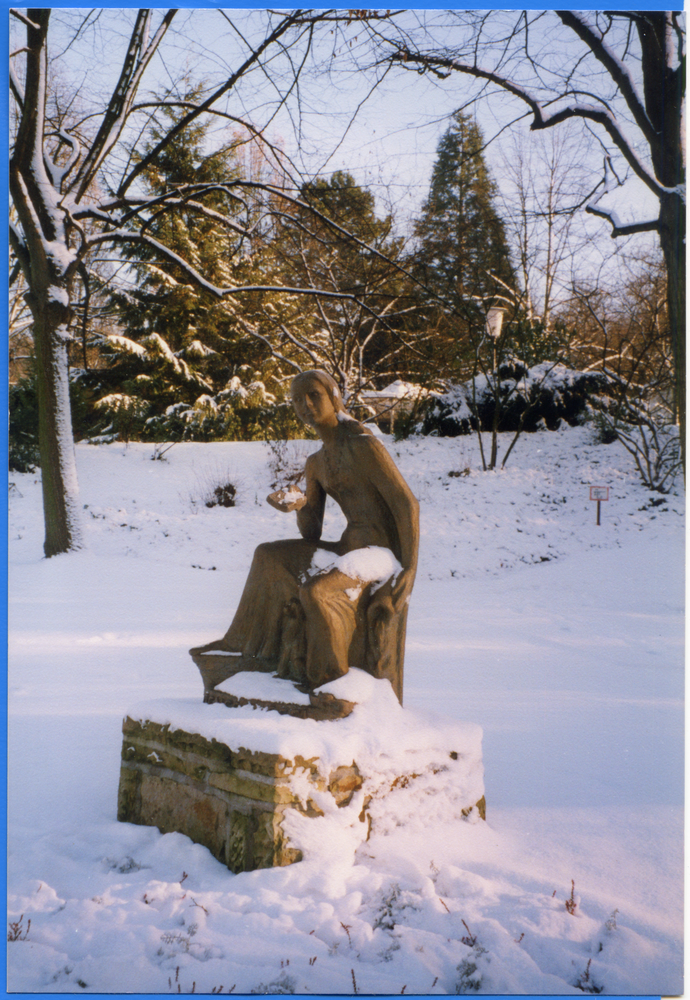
(494,322)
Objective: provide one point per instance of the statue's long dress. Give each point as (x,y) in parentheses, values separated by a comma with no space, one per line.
(301,625)
(312,628)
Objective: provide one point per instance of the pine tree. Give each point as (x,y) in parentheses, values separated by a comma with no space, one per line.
(463,248)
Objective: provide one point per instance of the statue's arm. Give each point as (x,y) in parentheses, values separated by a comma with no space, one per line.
(404,509)
(310,517)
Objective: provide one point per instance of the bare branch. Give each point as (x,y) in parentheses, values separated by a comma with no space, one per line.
(136,60)
(22,17)
(182,124)
(619,228)
(615,67)
(540,120)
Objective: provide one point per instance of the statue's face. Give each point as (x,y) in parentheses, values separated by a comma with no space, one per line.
(312,404)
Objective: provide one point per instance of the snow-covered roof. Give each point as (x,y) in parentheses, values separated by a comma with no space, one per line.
(397,389)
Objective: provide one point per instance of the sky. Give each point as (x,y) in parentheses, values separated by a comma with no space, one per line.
(388,145)
(384,133)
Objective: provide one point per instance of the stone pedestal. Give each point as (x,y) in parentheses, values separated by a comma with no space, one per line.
(230,801)
(227,772)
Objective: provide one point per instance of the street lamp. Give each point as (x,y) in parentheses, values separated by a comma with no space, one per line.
(494,322)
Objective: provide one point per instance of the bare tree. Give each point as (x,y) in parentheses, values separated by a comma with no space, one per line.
(624,333)
(620,73)
(544,181)
(76,192)
(622,325)
(358,340)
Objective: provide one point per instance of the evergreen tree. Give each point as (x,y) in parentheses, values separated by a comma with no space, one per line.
(462,255)
(165,300)
(180,345)
(356,344)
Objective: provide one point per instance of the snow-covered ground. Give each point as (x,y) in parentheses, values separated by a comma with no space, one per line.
(561,639)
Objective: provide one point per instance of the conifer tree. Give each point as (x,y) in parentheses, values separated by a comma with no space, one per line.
(165,300)
(357,345)
(179,344)
(462,254)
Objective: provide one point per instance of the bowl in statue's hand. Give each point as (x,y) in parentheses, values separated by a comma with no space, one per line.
(288,499)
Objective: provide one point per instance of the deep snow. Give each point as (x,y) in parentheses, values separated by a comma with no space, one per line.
(561,639)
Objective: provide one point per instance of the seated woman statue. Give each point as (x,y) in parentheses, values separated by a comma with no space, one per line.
(311,608)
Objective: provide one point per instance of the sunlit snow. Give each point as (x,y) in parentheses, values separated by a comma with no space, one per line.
(555,642)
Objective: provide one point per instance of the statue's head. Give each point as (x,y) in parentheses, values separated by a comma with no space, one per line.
(316,397)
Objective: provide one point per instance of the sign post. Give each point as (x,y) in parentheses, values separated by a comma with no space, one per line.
(598,493)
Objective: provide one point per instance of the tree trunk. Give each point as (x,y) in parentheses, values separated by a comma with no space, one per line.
(47,261)
(55,440)
(672,220)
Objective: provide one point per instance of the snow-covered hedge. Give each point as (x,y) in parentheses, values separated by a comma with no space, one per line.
(546,394)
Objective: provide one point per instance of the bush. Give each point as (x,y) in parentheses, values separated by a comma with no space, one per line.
(652,439)
(216,486)
(23,430)
(234,414)
(542,396)
(222,496)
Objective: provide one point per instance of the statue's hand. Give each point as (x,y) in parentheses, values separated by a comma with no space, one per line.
(286,500)
(402,588)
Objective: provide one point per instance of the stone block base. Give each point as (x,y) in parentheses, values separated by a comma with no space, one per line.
(231,802)
(192,772)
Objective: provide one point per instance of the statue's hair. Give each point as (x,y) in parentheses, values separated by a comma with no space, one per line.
(330,385)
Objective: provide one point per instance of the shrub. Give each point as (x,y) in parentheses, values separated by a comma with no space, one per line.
(237,413)
(23,403)
(223,496)
(531,399)
(215,487)
(648,432)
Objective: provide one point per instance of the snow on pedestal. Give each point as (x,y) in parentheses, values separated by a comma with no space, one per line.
(242,781)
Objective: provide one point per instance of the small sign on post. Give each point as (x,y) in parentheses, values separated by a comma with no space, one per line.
(598,493)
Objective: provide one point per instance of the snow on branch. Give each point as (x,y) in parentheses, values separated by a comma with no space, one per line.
(22,17)
(618,228)
(309,347)
(125,344)
(272,349)
(16,238)
(181,193)
(125,236)
(16,88)
(59,173)
(197,206)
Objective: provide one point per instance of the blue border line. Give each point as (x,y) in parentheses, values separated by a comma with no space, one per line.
(4,388)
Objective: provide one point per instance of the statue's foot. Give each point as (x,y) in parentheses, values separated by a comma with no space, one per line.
(218,646)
